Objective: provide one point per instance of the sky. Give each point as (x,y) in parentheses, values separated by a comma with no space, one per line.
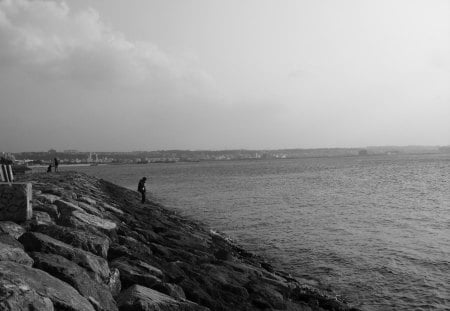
(98,75)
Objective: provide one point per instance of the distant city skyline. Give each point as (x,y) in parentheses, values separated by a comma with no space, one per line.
(221,75)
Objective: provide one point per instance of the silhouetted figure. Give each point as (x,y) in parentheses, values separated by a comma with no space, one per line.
(56,164)
(141,188)
(49,169)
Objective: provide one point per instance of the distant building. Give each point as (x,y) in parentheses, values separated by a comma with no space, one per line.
(363,152)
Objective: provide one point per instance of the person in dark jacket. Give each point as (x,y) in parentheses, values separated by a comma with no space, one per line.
(56,163)
(141,188)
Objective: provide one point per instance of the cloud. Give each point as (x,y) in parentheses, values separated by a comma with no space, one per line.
(68,80)
(48,39)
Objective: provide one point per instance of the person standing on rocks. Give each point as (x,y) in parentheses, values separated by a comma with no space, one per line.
(141,188)
(56,164)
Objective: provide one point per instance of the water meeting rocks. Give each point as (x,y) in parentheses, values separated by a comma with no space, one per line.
(91,245)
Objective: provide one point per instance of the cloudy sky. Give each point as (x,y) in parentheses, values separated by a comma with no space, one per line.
(206,74)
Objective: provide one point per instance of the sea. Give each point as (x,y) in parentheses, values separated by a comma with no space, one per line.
(373,230)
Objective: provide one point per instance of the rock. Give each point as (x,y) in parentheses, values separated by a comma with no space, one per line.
(15,254)
(38,242)
(15,201)
(111,208)
(90,209)
(51,209)
(96,244)
(264,295)
(47,198)
(57,191)
(41,218)
(77,277)
(140,298)
(114,283)
(9,240)
(172,290)
(25,288)
(137,272)
(80,219)
(66,208)
(87,200)
(11,228)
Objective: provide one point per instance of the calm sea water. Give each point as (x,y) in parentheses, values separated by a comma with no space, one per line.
(375,230)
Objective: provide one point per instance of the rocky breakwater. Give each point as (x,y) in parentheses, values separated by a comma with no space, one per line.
(91,245)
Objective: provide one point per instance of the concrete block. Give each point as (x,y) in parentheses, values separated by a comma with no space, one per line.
(15,201)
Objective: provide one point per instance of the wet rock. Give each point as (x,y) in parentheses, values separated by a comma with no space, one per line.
(38,242)
(88,241)
(66,208)
(26,288)
(140,298)
(15,254)
(12,229)
(77,277)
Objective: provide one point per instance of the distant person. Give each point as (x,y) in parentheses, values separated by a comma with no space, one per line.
(141,188)
(49,169)
(56,164)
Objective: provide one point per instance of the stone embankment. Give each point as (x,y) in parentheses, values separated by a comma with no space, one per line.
(92,246)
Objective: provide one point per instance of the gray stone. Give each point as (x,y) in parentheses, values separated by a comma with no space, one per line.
(77,277)
(111,208)
(38,242)
(15,254)
(140,298)
(47,198)
(25,288)
(137,272)
(88,241)
(15,201)
(41,218)
(83,219)
(90,209)
(11,228)
(50,209)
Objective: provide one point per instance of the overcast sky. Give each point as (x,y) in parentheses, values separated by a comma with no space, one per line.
(106,75)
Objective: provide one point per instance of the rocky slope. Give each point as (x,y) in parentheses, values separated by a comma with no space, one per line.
(91,246)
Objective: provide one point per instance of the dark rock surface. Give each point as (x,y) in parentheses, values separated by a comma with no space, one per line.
(94,246)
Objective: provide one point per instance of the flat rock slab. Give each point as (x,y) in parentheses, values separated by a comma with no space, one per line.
(140,298)
(15,201)
(25,288)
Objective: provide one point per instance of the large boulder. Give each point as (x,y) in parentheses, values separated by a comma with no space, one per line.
(140,298)
(96,244)
(38,242)
(24,288)
(77,277)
